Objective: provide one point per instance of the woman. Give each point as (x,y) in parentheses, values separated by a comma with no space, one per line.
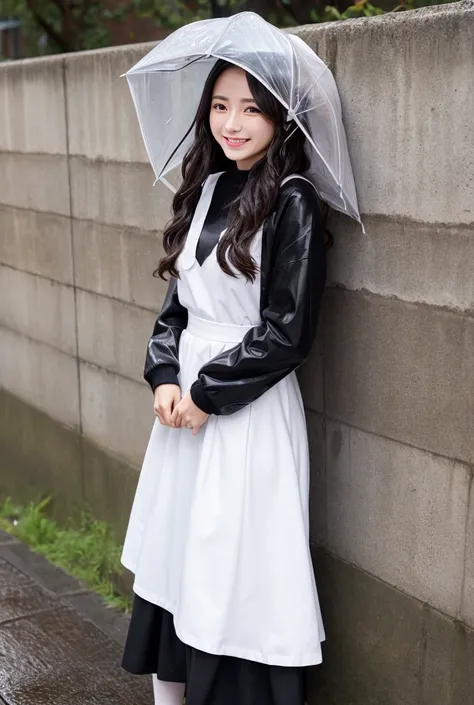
(226,608)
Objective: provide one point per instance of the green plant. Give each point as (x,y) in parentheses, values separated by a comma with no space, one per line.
(84,548)
(51,26)
(364,8)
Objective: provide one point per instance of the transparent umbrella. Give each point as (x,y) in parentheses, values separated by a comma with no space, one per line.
(167,85)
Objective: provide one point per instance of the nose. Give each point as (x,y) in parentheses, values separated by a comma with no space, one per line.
(233,124)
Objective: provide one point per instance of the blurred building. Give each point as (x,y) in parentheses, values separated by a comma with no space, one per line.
(134,29)
(11,44)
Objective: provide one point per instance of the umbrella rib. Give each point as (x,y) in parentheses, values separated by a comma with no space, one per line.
(312,85)
(338,148)
(292,54)
(147,69)
(176,149)
(231,20)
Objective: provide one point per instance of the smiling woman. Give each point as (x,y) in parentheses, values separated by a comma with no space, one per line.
(235,106)
(226,607)
(237,123)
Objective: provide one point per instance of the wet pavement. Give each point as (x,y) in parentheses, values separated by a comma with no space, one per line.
(59,643)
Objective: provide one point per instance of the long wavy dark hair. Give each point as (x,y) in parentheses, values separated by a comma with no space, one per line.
(259,194)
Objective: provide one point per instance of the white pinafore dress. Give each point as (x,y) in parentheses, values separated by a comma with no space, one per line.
(219,529)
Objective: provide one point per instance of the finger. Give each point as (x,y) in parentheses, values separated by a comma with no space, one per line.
(197,427)
(174,416)
(176,398)
(188,422)
(167,416)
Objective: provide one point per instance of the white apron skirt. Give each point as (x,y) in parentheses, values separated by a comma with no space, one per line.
(218,533)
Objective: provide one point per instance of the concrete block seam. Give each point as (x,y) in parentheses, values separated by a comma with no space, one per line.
(21,64)
(125,302)
(22,209)
(71,238)
(44,343)
(11,207)
(99,160)
(381,219)
(35,274)
(367,293)
(132,229)
(422,603)
(93,365)
(24,153)
(468,466)
(129,229)
(80,360)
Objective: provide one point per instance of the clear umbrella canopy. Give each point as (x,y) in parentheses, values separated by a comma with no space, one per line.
(167,85)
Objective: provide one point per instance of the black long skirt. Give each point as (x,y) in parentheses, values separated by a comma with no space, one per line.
(152,646)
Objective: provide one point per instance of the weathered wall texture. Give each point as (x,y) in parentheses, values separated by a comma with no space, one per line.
(79,238)
(389,388)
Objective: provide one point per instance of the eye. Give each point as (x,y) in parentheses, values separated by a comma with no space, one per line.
(253,110)
(219,106)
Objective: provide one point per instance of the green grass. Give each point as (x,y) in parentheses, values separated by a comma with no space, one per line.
(85,548)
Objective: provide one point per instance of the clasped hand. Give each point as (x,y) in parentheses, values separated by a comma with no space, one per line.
(177,412)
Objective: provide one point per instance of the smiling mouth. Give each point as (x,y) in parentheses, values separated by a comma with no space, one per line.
(235,142)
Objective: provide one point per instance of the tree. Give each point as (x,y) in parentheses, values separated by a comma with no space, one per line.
(51,26)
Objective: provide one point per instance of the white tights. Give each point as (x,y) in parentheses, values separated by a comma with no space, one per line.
(167,693)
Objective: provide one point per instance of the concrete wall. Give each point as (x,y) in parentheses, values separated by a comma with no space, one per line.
(80,226)
(389,389)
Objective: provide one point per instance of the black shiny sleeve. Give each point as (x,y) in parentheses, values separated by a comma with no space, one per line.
(162,360)
(284,339)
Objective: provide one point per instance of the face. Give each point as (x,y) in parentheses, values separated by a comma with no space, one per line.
(236,122)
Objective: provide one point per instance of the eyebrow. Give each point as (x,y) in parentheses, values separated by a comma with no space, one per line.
(243,100)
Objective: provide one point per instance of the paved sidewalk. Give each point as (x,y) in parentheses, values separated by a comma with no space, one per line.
(59,643)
